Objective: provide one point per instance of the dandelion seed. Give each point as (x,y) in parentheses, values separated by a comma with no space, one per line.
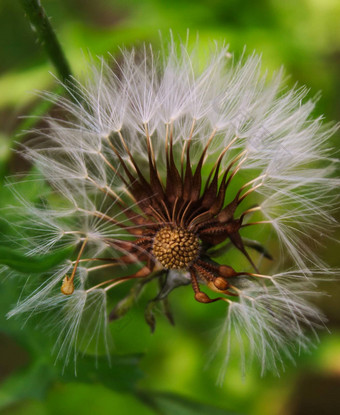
(165,165)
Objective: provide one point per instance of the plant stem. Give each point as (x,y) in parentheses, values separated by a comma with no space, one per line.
(47,37)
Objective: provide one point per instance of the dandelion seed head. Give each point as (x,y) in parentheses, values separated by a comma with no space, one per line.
(163,162)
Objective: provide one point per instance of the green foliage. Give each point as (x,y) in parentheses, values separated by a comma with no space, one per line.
(169,404)
(32,264)
(120,373)
(30,383)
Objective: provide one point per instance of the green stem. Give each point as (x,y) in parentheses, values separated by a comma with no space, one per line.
(48,38)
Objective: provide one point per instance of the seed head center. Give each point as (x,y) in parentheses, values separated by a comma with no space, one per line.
(175,248)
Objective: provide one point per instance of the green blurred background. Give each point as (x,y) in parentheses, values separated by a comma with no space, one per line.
(164,373)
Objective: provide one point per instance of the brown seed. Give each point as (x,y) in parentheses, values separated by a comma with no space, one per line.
(67,287)
(226,271)
(202,297)
(220,283)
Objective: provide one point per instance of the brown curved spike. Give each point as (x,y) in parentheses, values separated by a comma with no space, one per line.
(127,150)
(219,200)
(140,192)
(155,182)
(141,188)
(238,243)
(215,233)
(218,204)
(173,187)
(145,194)
(183,212)
(187,184)
(200,219)
(134,217)
(197,180)
(210,191)
(122,162)
(214,236)
(227,213)
(143,184)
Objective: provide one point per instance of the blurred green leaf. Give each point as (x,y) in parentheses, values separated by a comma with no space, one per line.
(5,229)
(38,110)
(89,399)
(23,263)
(36,380)
(121,373)
(30,188)
(170,404)
(30,383)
